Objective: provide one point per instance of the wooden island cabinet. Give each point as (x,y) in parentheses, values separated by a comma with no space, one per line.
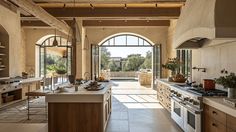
(79,111)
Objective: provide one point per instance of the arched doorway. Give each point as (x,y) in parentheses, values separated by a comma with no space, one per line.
(128,42)
(53,59)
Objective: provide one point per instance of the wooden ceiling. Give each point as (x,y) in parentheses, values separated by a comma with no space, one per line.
(110,12)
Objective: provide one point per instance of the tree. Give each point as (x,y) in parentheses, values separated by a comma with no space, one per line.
(105,56)
(113,66)
(133,63)
(147,64)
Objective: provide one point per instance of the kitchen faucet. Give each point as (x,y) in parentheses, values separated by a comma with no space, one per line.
(86,75)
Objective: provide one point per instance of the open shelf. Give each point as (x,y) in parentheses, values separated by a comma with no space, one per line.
(2,66)
(2,54)
(2,47)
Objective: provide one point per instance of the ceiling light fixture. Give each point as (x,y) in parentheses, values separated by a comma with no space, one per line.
(55,43)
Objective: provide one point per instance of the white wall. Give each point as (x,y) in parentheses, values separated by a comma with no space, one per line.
(214,59)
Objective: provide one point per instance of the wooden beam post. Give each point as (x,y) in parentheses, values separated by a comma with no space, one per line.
(43,15)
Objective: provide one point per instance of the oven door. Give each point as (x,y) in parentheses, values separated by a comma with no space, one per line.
(177,112)
(192,119)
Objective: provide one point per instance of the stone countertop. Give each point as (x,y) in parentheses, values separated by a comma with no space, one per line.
(29,80)
(218,103)
(82,95)
(164,80)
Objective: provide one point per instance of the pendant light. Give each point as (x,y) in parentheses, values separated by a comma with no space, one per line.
(55,43)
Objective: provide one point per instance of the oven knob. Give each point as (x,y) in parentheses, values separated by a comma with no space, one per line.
(191,100)
(186,98)
(178,95)
(195,103)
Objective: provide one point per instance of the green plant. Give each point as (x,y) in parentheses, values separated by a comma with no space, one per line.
(228,80)
(172,64)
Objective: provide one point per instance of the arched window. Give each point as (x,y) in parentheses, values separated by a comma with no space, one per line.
(53,58)
(126,40)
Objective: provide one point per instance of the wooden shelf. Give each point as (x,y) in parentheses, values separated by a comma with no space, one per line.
(9,103)
(2,47)
(2,66)
(2,54)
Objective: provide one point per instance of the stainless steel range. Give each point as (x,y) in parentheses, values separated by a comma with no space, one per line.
(7,85)
(187,106)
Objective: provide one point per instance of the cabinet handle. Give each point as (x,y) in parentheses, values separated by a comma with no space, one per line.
(213,124)
(213,112)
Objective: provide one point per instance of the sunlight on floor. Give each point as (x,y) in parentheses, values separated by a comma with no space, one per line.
(134,96)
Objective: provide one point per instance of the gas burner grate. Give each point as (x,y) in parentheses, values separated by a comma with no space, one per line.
(202,92)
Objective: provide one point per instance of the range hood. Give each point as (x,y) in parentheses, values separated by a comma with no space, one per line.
(206,22)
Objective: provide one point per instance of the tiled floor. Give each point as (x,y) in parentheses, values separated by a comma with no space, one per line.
(134,109)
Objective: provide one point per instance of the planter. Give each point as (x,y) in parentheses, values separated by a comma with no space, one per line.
(232,93)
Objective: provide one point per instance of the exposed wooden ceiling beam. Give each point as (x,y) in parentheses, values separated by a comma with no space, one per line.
(9,6)
(41,14)
(102,23)
(38,23)
(84,5)
(114,12)
(94,23)
(107,1)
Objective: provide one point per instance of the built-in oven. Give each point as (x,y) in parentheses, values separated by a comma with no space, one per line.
(192,119)
(177,111)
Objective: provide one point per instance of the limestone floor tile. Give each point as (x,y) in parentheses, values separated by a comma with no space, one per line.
(118,126)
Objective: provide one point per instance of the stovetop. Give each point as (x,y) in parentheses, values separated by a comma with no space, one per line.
(202,92)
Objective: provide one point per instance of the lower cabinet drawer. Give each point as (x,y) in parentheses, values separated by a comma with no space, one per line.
(215,114)
(231,122)
(212,125)
(231,130)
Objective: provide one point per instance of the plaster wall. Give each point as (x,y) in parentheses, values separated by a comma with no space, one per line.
(11,22)
(214,59)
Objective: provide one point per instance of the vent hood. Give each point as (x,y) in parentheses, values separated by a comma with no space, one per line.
(206,22)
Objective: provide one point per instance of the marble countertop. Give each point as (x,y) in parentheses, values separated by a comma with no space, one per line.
(218,103)
(29,80)
(82,95)
(164,80)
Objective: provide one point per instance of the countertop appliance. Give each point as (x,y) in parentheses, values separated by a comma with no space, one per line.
(187,106)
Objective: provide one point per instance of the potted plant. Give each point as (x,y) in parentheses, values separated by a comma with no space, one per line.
(228,81)
(173,64)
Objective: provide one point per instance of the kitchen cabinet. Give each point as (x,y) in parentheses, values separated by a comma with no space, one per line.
(82,110)
(163,94)
(217,121)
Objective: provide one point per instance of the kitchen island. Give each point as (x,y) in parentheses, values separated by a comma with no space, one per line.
(79,111)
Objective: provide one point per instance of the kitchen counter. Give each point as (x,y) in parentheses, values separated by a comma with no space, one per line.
(164,80)
(218,103)
(29,80)
(82,95)
(82,110)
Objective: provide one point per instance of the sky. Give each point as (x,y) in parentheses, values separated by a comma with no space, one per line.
(125,51)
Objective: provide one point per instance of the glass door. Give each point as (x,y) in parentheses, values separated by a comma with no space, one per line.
(94,62)
(156,68)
